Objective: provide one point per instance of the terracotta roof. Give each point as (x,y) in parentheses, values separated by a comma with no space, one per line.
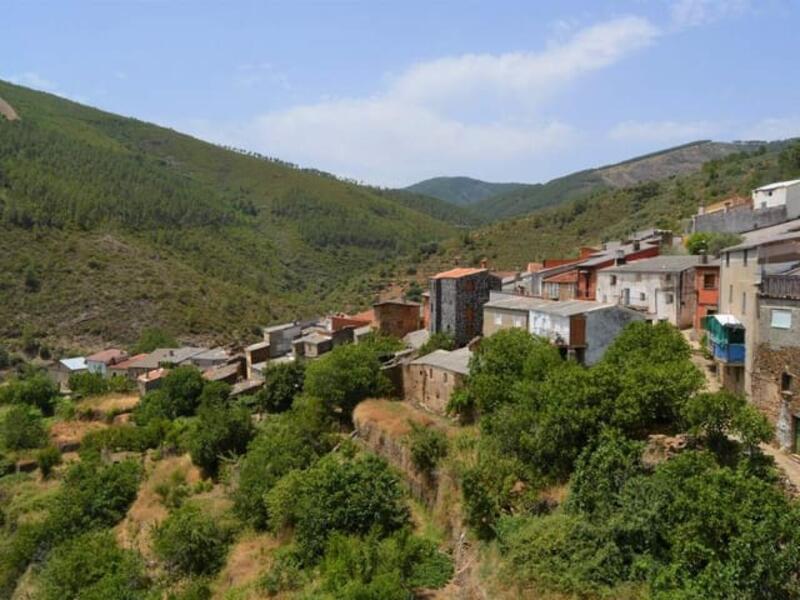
(107,356)
(129,362)
(457,273)
(153,375)
(566,277)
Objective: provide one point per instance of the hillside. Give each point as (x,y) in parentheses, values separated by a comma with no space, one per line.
(613,213)
(462,191)
(680,160)
(108,223)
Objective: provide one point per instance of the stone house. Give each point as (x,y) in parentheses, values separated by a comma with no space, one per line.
(662,287)
(99,362)
(456,302)
(429,381)
(397,317)
(776,361)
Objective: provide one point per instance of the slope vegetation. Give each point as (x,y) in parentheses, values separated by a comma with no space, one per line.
(199,234)
(462,191)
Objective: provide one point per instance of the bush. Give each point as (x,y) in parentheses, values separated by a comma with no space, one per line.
(178,396)
(220,431)
(5,358)
(438,341)
(123,438)
(47,458)
(428,446)
(88,384)
(23,428)
(351,496)
(716,414)
(190,542)
(92,567)
(36,390)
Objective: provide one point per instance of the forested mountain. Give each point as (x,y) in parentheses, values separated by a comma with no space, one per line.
(462,191)
(108,223)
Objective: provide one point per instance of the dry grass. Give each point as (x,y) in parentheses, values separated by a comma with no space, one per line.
(393,417)
(247,560)
(70,434)
(147,511)
(109,404)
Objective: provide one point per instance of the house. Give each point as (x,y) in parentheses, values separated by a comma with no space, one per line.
(254,354)
(61,371)
(210,358)
(313,345)
(100,362)
(726,342)
(429,381)
(457,299)
(662,287)
(581,329)
(706,289)
(280,337)
(782,193)
(771,250)
(768,205)
(160,357)
(504,311)
(532,281)
(152,380)
(426,309)
(561,286)
(396,317)
(776,357)
(587,269)
(228,373)
(122,369)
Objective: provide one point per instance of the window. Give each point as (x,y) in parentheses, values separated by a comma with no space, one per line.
(498,319)
(727,259)
(519,322)
(445,377)
(744,303)
(781,318)
(764,204)
(786,382)
(642,296)
(744,257)
(613,280)
(669,298)
(709,281)
(668,277)
(730,294)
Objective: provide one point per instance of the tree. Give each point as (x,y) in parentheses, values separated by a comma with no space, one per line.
(23,428)
(92,567)
(88,384)
(711,242)
(283,382)
(36,390)
(220,430)
(190,542)
(716,414)
(47,458)
(346,376)
(428,446)
(153,338)
(439,340)
(178,396)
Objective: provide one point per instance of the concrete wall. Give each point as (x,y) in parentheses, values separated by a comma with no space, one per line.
(495,319)
(549,326)
(662,294)
(739,219)
(429,387)
(98,367)
(602,327)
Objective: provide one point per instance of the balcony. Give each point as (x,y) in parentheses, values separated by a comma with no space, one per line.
(725,335)
(730,354)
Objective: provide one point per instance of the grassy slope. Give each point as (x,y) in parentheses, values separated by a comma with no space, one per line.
(462,191)
(124,224)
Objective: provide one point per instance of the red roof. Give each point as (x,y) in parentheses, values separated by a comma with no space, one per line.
(108,357)
(457,273)
(566,277)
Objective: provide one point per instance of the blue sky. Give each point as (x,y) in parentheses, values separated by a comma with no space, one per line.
(394,92)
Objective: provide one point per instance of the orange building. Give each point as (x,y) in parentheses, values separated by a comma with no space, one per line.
(397,317)
(706,285)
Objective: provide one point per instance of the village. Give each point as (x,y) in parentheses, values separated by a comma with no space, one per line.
(740,309)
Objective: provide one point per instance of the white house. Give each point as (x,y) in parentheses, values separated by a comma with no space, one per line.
(781,193)
(661,287)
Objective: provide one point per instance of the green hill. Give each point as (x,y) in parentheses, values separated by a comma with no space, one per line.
(108,224)
(679,160)
(462,191)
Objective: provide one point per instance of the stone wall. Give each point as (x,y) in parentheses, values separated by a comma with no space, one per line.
(429,387)
(769,364)
(737,220)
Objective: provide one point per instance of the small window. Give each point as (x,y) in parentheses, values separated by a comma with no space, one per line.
(445,377)
(744,257)
(744,303)
(519,322)
(709,281)
(730,294)
(642,296)
(781,318)
(727,259)
(786,382)
(668,277)
(498,319)
(669,298)
(613,280)
(764,204)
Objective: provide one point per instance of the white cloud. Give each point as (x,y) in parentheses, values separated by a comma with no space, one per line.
(253,74)
(662,131)
(692,13)
(475,113)
(773,128)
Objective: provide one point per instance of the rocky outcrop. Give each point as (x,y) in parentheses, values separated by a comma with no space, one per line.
(8,111)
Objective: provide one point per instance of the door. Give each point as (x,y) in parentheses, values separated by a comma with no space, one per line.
(626,297)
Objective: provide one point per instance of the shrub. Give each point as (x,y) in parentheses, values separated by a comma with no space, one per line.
(152,338)
(220,430)
(283,383)
(439,340)
(716,414)
(92,567)
(47,458)
(190,542)
(23,428)
(285,573)
(88,384)
(428,446)
(35,390)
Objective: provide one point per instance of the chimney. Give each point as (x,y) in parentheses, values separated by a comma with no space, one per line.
(484,263)
(704,258)
(619,259)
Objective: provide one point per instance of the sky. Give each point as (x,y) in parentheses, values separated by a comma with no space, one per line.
(393,92)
